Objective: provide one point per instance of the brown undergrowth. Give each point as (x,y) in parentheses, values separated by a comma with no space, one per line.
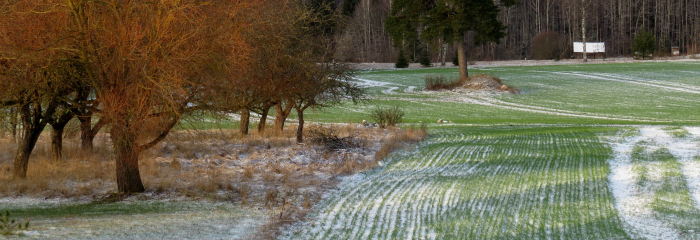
(268,171)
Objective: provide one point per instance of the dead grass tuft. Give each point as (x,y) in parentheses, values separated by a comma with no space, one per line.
(440,82)
(397,141)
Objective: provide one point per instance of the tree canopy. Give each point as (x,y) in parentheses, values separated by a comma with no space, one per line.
(450,20)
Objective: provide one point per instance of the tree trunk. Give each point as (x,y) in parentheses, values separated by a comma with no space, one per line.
(263,118)
(245,121)
(86,137)
(300,128)
(33,124)
(57,127)
(127,161)
(281,115)
(88,132)
(13,124)
(583,29)
(462,58)
(24,150)
(56,142)
(444,53)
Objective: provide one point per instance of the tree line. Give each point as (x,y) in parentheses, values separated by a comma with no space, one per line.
(135,69)
(615,22)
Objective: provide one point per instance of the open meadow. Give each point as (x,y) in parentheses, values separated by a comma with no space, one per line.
(591,151)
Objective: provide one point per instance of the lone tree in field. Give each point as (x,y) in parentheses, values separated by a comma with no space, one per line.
(644,43)
(447,19)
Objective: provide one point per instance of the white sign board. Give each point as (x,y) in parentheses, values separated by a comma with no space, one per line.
(591,47)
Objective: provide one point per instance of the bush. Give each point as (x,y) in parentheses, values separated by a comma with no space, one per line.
(329,138)
(388,117)
(401,61)
(545,46)
(441,82)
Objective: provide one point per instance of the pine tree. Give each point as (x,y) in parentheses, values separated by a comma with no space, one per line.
(447,19)
(644,43)
(401,61)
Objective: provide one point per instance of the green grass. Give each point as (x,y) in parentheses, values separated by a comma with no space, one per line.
(483,183)
(526,166)
(620,93)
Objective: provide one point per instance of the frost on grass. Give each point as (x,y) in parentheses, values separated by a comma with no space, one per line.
(655,180)
(480,183)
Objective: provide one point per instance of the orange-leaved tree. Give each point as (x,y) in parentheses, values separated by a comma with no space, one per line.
(150,62)
(34,68)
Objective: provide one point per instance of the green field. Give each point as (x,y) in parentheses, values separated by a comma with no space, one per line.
(595,151)
(623,93)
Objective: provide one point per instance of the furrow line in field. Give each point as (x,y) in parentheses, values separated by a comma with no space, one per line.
(375,222)
(394,201)
(368,215)
(560,111)
(587,75)
(659,82)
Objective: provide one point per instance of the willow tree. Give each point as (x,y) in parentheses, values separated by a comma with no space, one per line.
(150,62)
(32,42)
(450,20)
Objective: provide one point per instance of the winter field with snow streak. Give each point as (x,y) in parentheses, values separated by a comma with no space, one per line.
(593,151)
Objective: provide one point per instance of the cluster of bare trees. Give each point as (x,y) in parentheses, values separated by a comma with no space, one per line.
(615,22)
(136,68)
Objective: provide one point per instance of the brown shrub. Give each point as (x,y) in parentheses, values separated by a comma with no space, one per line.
(546,46)
(441,82)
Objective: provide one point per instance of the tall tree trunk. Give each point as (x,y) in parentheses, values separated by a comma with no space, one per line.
(127,160)
(462,58)
(281,115)
(300,128)
(263,118)
(583,29)
(245,121)
(444,53)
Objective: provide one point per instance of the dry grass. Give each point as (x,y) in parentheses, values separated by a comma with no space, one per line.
(441,82)
(400,139)
(268,170)
(79,174)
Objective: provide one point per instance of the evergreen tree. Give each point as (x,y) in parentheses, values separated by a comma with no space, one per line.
(424,59)
(447,19)
(401,61)
(644,43)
